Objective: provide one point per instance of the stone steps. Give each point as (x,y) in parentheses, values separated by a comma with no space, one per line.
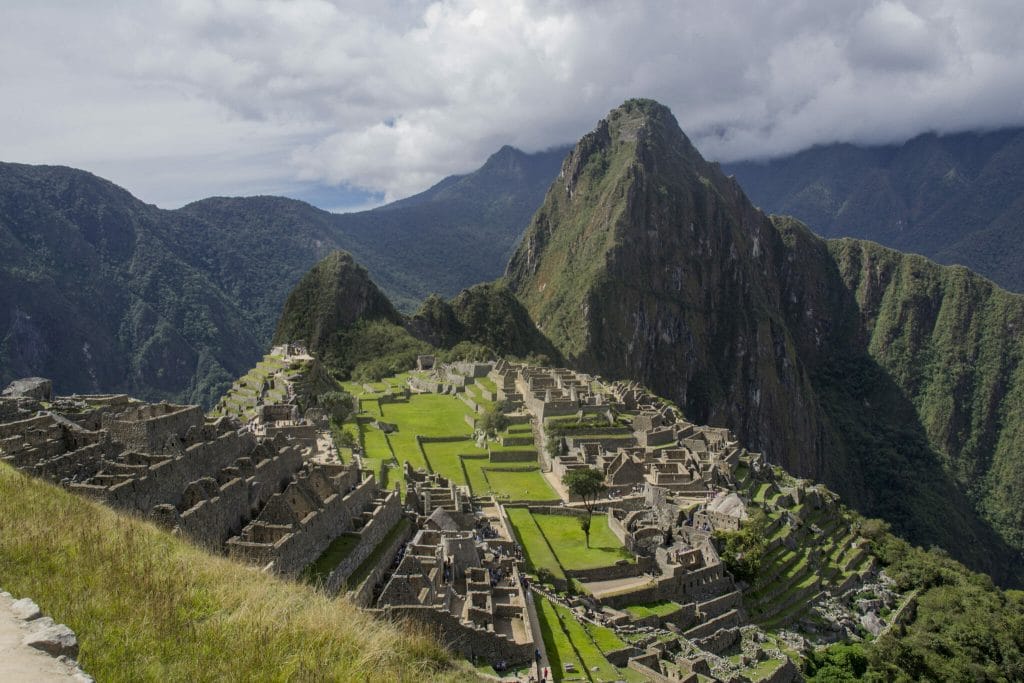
(725,620)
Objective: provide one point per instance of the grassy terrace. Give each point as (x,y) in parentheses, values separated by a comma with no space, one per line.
(555,542)
(364,569)
(566,641)
(149,606)
(661,608)
(564,535)
(338,550)
(536,550)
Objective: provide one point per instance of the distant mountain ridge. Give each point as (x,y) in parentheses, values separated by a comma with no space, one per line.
(955,198)
(102,292)
(894,380)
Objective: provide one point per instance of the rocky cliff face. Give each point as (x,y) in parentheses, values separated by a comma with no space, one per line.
(645,261)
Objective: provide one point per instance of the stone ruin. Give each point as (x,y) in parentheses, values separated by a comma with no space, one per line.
(460,576)
(256,494)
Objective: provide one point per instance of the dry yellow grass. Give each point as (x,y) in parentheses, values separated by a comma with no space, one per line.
(149,606)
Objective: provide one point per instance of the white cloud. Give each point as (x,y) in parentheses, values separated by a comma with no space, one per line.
(180,100)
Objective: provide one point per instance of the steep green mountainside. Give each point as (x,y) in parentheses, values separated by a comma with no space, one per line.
(649,263)
(101,292)
(94,296)
(352,326)
(954,198)
(410,247)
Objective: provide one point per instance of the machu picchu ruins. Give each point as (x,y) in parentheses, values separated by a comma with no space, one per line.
(467,527)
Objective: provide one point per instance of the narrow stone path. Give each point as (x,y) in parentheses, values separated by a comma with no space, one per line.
(19,662)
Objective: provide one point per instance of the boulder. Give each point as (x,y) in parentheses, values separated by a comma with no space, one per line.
(55,639)
(26,610)
(872,623)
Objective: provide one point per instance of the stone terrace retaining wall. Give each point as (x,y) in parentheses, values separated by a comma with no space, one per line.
(385,517)
(362,595)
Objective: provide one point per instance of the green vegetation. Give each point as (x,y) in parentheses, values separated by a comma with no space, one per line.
(965,628)
(148,606)
(555,543)
(563,534)
(538,553)
(519,484)
(742,550)
(904,367)
(587,484)
(367,565)
(338,550)
(661,608)
(567,641)
(955,207)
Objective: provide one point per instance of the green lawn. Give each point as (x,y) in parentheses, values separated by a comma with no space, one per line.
(660,608)
(556,642)
(474,473)
(568,640)
(535,547)
(564,535)
(364,569)
(374,443)
(527,484)
(429,415)
(487,384)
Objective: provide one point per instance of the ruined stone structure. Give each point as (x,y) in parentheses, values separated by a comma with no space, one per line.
(460,576)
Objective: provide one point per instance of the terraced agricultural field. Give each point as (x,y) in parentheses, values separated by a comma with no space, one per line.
(569,641)
(556,543)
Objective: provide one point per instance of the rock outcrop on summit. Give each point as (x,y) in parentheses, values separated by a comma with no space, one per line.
(841,360)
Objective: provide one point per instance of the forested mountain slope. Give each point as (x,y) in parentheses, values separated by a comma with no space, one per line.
(954,198)
(894,380)
(101,292)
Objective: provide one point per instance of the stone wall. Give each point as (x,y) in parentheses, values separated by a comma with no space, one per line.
(212,521)
(620,570)
(298,545)
(385,517)
(148,428)
(165,481)
(362,595)
(469,641)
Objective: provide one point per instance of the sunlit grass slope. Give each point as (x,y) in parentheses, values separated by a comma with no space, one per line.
(148,606)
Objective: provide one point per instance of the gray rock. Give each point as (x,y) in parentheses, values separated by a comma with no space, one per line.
(26,610)
(866,606)
(5,595)
(55,640)
(872,623)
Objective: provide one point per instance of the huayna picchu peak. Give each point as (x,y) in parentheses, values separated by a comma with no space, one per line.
(647,262)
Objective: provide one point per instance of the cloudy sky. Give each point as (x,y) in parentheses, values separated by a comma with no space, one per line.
(355,103)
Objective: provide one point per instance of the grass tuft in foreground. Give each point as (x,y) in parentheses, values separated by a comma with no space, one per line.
(148,606)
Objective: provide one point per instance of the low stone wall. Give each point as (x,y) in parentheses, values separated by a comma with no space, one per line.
(362,595)
(620,658)
(385,516)
(625,570)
